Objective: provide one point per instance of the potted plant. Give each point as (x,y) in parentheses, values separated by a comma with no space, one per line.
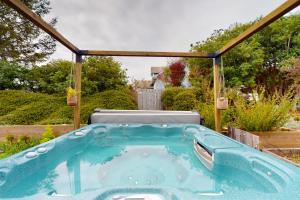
(71,97)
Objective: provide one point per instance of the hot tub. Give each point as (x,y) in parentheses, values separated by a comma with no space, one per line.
(146,161)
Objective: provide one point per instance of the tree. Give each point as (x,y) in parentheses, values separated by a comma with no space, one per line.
(256,61)
(11,75)
(102,73)
(51,78)
(98,74)
(241,64)
(20,40)
(177,72)
(290,71)
(280,42)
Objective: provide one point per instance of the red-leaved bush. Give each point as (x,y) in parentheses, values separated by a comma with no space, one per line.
(177,73)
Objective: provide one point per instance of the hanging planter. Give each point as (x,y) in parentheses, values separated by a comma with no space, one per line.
(71,92)
(71,97)
(222,101)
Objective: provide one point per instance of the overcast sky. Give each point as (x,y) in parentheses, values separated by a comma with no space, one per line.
(152,25)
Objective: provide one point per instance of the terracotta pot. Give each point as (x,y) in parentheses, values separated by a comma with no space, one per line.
(72,101)
(222,103)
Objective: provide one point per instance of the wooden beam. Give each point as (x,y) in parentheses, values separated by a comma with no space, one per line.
(147,54)
(217,62)
(265,21)
(77,74)
(22,9)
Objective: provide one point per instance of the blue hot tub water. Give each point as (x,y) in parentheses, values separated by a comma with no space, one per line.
(136,161)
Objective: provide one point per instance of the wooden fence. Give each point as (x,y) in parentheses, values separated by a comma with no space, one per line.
(149,99)
(244,137)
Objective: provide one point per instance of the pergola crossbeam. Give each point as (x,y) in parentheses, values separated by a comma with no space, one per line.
(265,21)
(146,54)
(22,9)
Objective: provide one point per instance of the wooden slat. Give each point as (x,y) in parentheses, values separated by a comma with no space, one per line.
(149,99)
(38,21)
(146,54)
(265,21)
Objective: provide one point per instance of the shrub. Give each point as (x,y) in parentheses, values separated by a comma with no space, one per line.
(31,113)
(10,100)
(47,135)
(114,99)
(168,96)
(185,100)
(264,114)
(62,115)
(200,95)
(110,99)
(9,148)
(177,72)
(20,107)
(10,139)
(24,138)
(13,145)
(207,111)
(229,117)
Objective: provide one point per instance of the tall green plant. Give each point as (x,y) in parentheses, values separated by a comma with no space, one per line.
(47,135)
(264,114)
(206,111)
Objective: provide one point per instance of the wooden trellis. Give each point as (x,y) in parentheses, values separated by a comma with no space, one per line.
(38,21)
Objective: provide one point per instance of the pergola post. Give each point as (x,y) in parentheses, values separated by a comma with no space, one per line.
(77,74)
(217,62)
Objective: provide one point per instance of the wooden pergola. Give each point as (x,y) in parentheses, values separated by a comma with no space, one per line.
(22,9)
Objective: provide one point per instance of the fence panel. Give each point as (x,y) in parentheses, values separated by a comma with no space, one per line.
(149,99)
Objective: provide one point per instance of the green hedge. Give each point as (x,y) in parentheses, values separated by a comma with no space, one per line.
(169,94)
(266,113)
(10,100)
(113,99)
(185,100)
(31,113)
(21,107)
